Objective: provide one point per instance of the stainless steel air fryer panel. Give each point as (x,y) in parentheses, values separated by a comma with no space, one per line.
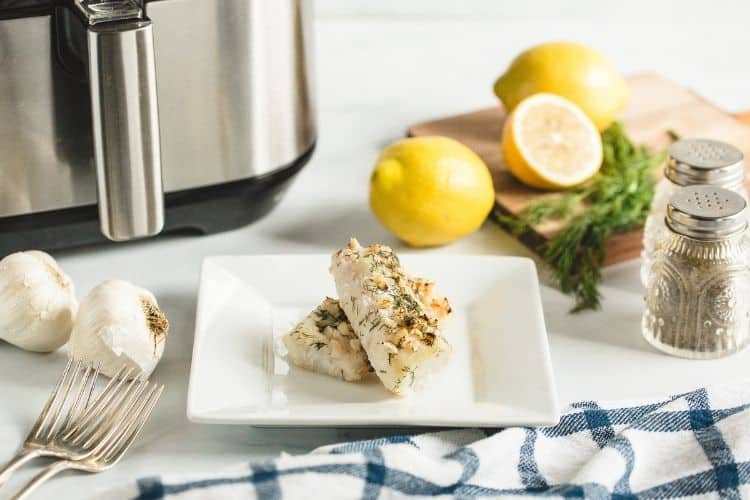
(233,90)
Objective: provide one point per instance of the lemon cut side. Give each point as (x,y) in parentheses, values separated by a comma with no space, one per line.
(550,143)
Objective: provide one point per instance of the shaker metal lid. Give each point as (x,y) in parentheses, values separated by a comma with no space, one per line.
(705,161)
(706,212)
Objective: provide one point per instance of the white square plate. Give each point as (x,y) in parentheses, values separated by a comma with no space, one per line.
(500,373)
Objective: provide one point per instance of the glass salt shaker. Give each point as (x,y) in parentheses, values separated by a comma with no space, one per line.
(698,291)
(690,162)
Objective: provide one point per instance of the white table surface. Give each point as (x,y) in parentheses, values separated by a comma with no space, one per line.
(379,69)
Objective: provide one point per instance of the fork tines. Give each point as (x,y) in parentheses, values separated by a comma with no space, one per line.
(94,419)
(110,451)
(83,428)
(46,425)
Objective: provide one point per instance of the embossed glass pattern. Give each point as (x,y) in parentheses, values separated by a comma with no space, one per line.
(698,289)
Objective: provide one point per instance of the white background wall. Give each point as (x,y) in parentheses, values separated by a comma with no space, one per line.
(700,43)
(562,10)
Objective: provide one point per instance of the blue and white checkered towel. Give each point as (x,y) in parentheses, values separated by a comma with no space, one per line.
(696,443)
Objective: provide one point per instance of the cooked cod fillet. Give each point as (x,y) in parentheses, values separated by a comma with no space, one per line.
(324,342)
(400,335)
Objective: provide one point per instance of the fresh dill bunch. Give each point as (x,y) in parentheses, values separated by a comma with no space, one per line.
(554,206)
(616,199)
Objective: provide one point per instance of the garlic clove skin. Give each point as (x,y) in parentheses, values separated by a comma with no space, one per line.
(37,302)
(119,324)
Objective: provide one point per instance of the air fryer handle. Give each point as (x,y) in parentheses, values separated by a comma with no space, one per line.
(125,122)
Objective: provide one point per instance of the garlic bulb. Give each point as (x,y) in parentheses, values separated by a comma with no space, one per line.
(119,324)
(37,302)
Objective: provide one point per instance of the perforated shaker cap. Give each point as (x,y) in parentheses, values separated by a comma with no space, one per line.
(705,161)
(706,212)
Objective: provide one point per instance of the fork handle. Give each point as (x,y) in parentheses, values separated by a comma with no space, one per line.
(21,458)
(46,473)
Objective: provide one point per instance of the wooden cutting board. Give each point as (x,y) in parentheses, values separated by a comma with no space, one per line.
(657,105)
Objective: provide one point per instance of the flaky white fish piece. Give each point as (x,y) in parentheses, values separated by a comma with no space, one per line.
(324,342)
(399,333)
(425,290)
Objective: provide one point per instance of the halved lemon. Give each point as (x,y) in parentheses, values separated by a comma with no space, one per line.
(550,143)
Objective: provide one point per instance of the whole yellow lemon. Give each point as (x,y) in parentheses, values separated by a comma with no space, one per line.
(430,190)
(573,71)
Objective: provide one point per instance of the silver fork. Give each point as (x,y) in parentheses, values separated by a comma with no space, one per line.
(46,438)
(109,450)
